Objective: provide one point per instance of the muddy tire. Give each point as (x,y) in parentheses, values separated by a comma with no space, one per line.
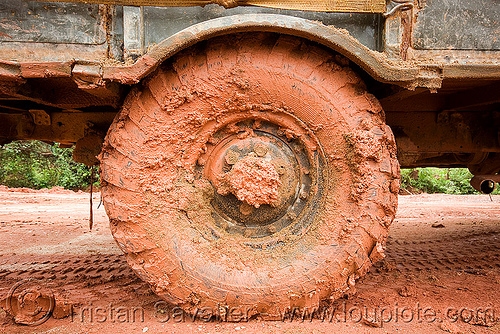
(251,173)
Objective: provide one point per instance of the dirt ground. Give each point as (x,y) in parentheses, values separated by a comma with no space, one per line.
(441,273)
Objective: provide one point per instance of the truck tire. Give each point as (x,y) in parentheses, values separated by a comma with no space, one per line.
(251,173)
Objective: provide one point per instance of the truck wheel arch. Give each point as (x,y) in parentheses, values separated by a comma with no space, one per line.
(374,63)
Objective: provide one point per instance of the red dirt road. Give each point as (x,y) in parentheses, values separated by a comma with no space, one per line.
(444,278)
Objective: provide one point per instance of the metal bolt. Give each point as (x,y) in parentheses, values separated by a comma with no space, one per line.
(280,169)
(260,149)
(232,157)
(272,229)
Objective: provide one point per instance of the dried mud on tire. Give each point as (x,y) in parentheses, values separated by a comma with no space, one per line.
(160,202)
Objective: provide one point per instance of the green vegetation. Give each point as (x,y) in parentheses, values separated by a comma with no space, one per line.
(35,164)
(438,180)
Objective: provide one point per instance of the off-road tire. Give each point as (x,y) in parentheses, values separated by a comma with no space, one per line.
(161,202)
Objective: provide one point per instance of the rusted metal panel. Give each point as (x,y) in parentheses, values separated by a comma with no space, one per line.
(46,22)
(459,71)
(46,69)
(163,22)
(133,35)
(10,71)
(46,32)
(458,25)
(173,29)
(51,53)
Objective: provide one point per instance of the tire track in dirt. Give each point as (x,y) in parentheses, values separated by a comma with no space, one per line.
(74,268)
(471,254)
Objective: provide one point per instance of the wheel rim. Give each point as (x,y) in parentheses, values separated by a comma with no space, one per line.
(265,176)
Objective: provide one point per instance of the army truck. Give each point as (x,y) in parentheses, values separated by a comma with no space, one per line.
(250,151)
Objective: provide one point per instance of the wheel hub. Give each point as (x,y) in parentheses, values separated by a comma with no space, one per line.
(260,178)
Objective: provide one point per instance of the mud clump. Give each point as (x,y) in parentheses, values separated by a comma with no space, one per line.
(252,180)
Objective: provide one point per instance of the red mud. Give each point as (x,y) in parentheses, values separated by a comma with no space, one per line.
(450,270)
(164,220)
(252,180)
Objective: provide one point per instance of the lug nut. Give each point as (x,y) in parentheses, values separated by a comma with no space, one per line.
(280,169)
(260,149)
(232,157)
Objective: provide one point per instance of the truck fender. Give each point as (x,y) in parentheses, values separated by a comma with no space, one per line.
(374,63)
